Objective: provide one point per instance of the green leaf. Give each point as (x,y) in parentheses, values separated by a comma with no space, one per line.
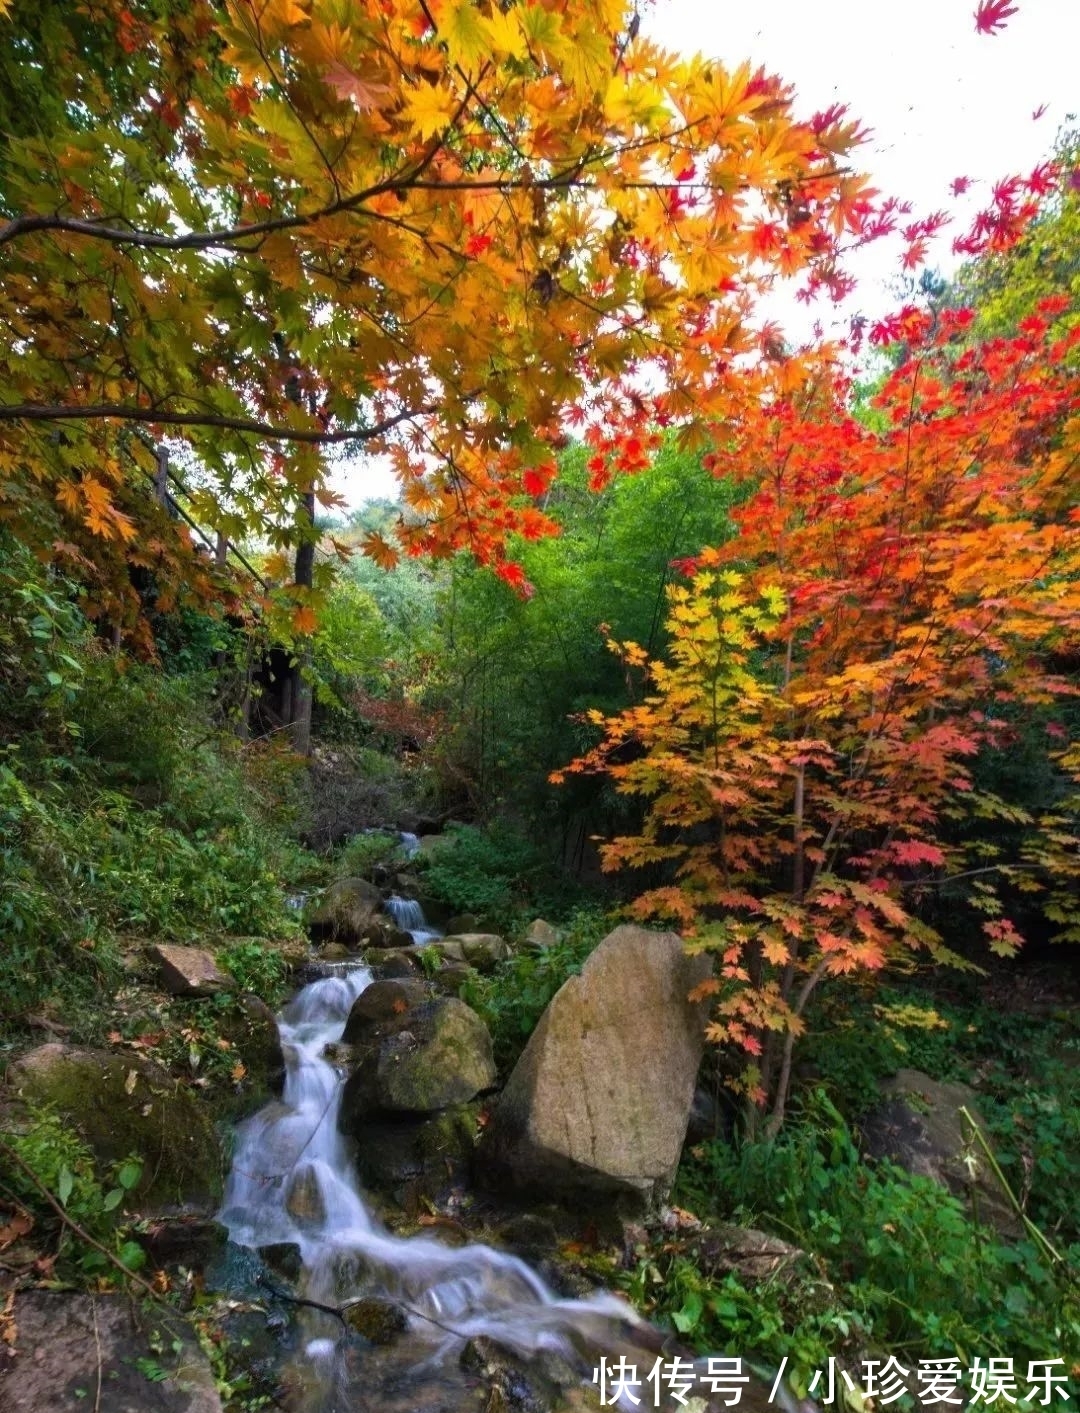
(129,1173)
(112,1199)
(64,1183)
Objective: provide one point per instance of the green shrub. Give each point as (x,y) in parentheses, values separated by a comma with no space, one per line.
(367,852)
(255,967)
(482,871)
(909,1267)
(63,1165)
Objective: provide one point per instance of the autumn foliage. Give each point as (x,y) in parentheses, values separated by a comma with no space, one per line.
(439,230)
(890,608)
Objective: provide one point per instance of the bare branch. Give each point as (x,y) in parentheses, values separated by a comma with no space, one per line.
(123,412)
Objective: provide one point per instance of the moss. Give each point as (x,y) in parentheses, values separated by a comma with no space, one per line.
(123,1106)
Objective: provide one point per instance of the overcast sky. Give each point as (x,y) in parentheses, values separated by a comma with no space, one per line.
(942,101)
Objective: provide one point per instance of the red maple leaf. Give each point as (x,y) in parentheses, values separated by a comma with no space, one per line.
(1039,111)
(990,16)
(960,185)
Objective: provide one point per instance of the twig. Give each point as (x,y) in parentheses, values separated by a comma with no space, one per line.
(79,1231)
(97,1346)
(1029,1226)
(341,1311)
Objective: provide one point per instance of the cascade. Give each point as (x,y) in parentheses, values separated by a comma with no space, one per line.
(293,1181)
(409,916)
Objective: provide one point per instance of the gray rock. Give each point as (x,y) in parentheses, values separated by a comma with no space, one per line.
(392,961)
(346,911)
(599,1099)
(189,971)
(540,934)
(66,1343)
(123,1105)
(919,1126)
(429,1058)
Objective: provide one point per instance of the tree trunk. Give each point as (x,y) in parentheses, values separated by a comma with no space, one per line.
(301,697)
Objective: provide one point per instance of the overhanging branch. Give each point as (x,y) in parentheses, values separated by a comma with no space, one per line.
(122,412)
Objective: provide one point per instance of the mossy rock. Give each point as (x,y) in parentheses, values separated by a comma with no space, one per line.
(431,1057)
(123,1105)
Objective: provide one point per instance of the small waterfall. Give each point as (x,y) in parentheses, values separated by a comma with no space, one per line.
(410,843)
(409,916)
(292,1180)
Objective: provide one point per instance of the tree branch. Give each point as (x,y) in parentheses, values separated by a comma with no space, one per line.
(44,412)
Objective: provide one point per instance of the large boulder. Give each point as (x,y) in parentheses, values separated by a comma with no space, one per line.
(74,1353)
(600,1098)
(920,1127)
(539,935)
(346,911)
(428,1058)
(121,1105)
(189,971)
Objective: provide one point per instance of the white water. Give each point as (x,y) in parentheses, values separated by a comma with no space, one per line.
(293,1181)
(409,916)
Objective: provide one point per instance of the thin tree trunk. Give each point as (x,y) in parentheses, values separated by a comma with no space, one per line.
(300,716)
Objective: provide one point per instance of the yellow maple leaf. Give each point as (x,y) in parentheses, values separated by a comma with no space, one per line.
(429,108)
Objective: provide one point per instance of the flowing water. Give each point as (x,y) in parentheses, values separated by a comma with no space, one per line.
(409,916)
(293,1181)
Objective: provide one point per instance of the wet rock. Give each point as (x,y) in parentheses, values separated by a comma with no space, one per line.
(535,1385)
(283,1258)
(379,1321)
(600,1098)
(334,952)
(123,1105)
(384,932)
(346,911)
(410,1158)
(529,1236)
(430,1057)
(383,1001)
(189,971)
(304,1199)
(190,1241)
(66,1343)
(919,1126)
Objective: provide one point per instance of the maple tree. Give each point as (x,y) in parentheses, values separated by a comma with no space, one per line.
(437,230)
(806,749)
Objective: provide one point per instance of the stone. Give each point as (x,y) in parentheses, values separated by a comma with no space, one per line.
(483,950)
(392,961)
(189,971)
(919,1126)
(462,922)
(599,1099)
(346,911)
(254,1034)
(452,976)
(304,1200)
(379,1321)
(195,1242)
(410,1157)
(540,934)
(283,1258)
(66,1343)
(430,1057)
(722,1249)
(383,1001)
(123,1105)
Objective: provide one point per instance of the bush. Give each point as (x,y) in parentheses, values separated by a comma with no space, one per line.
(909,1267)
(367,853)
(63,1165)
(482,871)
(257,968)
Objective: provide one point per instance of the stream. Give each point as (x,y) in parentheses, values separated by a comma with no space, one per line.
(293,1181)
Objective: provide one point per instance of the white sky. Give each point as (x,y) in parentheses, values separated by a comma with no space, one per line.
(941,101)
